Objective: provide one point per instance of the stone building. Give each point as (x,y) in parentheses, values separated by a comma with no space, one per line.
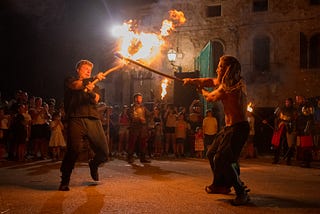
(277,43)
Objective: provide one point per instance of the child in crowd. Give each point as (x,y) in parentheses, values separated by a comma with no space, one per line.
(198,143)
(181,134)
(57,141)
(157,139)
(19,134)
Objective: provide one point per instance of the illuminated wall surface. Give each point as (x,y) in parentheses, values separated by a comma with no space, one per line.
(277,43)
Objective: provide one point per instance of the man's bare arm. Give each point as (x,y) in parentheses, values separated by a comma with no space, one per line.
(201,82)
(213,95)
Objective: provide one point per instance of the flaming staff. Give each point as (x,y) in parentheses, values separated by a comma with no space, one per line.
(146,67)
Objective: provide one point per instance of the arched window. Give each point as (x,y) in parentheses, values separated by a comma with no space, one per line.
(314,51)
(261,54)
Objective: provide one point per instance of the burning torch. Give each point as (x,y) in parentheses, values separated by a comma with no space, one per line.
(250,108)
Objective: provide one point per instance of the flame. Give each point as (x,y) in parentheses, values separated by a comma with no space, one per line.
(177,16)
(250,107)
(145,46)
(164,85)
(167,26)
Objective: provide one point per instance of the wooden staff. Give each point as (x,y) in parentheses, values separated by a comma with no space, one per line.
(148,68)
(107,72)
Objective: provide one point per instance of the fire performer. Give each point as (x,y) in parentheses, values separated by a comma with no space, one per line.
(225,150)
(83,120)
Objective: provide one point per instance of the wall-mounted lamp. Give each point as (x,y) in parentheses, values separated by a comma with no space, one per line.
(172,56)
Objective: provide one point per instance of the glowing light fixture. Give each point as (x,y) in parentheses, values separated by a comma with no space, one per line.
(172,55)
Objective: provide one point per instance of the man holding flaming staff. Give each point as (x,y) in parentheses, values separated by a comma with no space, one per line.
(225,150)
(83,122)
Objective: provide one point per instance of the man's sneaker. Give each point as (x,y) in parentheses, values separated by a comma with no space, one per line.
(241,199)
(94,171)
(63,187)
(64,184)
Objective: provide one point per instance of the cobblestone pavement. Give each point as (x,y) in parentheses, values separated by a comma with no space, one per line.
(164,186)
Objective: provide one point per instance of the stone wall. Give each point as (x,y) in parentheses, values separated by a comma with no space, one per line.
(55,36)
(236,29)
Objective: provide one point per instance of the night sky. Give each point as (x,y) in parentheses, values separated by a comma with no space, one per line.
(42,40)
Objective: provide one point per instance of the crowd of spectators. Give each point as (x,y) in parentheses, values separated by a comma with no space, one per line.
(26,126)
(297,131)
(171,130)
